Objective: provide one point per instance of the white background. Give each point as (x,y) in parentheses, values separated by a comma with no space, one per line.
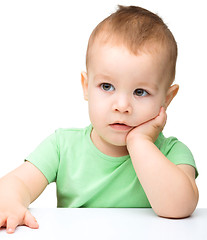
(42,52)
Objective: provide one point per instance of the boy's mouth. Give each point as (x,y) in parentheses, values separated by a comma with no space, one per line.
(120,126)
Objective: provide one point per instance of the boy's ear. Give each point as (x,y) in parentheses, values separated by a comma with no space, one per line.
(171,93)
(84,82)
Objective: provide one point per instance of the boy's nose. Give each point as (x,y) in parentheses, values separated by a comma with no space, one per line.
(122,104)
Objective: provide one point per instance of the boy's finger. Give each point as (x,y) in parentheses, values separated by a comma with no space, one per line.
(162,111)
(161,119)
(12,223)
(30,220)
(162,115)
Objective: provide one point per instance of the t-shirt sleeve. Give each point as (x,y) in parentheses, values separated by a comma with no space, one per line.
(179,153)
(46,157)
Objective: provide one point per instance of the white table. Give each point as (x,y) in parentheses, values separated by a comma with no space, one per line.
(110,223)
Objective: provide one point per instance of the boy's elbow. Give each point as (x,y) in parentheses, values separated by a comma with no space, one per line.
(174,214)
(177,212)
(180,208)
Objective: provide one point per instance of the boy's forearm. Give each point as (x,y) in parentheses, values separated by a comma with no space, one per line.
(168,188)
(13,190)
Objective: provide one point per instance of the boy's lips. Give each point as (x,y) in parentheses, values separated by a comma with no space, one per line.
(120,126)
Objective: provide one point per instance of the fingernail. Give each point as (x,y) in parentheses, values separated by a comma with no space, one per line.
(10,230)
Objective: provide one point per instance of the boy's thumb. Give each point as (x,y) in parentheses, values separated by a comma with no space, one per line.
(30,220)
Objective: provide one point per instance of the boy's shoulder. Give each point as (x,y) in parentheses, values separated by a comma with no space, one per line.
(163,141)
(175,150)
(63,134)
(170,144)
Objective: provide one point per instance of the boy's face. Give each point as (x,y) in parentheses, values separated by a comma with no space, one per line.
(123,91)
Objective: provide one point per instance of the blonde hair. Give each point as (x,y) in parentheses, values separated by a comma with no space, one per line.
(139,30)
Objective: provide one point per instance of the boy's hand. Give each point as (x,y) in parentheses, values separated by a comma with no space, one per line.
(16,217)
(148,130)
(17,190)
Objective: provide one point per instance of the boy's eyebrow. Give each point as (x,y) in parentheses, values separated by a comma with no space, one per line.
(102,76)
(149,85)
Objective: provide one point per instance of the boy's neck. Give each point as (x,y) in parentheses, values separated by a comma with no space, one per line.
(107,148)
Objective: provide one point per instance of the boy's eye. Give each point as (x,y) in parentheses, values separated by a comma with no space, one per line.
(107,87)
(140,92)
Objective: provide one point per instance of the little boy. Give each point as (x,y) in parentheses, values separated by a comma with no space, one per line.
(122,159)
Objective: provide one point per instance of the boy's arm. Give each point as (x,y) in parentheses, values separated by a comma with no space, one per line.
(17,190)
(171,189)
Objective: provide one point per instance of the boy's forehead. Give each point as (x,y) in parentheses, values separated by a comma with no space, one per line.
(103,57)
(106,48)
(154,48)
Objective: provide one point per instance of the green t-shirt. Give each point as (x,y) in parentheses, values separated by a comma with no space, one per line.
(85,177)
